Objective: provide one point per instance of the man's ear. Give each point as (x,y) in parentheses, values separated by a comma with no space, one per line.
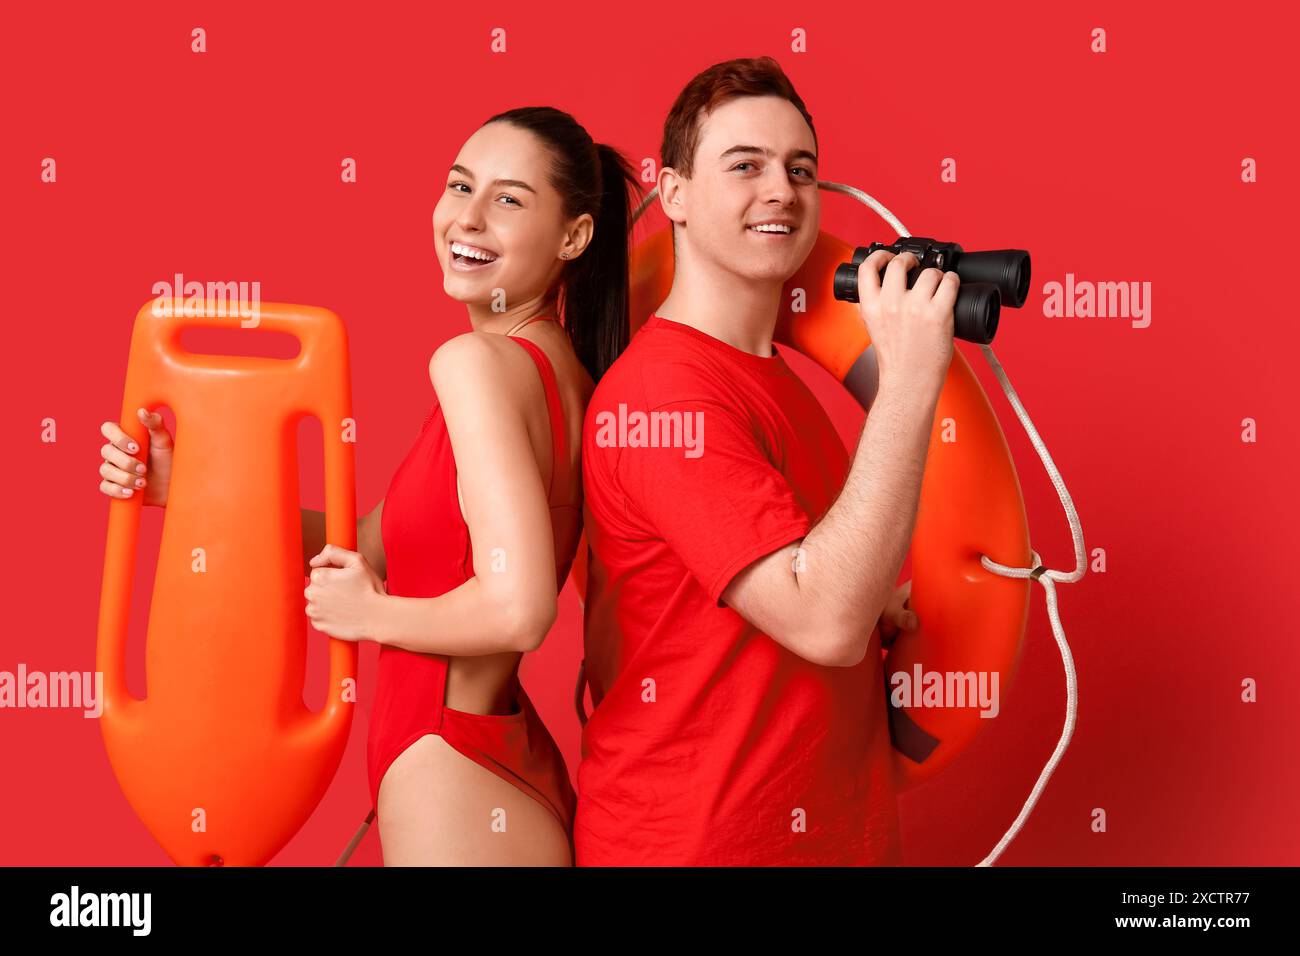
(672,198)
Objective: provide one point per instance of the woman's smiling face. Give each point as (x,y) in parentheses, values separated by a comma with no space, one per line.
(499,224)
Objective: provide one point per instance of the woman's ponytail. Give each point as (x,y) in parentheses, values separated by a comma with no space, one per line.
(596,294)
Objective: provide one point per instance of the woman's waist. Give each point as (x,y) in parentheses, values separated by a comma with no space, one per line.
(481,684)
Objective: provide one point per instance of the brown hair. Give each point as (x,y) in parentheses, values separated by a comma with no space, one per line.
(751,76)
(591,178)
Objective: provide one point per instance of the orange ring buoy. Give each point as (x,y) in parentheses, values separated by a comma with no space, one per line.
(222,760)
(972,622)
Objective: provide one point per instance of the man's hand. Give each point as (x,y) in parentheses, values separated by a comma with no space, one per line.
(897,616)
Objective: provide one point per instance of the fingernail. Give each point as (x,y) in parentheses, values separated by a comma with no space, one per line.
(139,469)
(131,446)
(139,482)
(127,492)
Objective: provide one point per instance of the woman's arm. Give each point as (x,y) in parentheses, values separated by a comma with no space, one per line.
(370,542)
(510,602)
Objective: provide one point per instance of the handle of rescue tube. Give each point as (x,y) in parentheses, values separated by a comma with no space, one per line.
(119,572)
(331,407)
(316,335)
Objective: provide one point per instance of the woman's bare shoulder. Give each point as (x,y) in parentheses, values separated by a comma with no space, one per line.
(479,364)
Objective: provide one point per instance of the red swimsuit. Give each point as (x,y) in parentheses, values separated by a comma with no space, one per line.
(428,552)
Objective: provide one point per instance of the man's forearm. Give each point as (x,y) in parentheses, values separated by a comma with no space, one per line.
(852,556)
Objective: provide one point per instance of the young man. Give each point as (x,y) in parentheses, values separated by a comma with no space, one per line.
(735,575)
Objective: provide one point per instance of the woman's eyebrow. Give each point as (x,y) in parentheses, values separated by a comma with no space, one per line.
(518,184)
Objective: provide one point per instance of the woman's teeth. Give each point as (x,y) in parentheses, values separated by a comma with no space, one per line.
(771,228)
(469,252)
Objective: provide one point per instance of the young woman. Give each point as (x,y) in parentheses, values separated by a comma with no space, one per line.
(481,521)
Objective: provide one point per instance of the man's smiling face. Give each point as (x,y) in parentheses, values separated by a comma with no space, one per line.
(751,205)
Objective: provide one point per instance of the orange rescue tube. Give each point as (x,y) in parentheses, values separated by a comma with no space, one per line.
(222,760)
(972,621)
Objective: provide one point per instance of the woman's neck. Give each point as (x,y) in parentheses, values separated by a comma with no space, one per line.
(483,318)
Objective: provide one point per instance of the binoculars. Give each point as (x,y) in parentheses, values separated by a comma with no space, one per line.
(987,280)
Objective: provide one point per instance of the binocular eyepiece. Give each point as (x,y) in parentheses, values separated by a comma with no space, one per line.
(988,279)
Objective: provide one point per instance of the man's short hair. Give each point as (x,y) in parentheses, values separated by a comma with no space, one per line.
(750,76)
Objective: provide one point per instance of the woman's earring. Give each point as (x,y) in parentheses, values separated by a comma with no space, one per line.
(564,255)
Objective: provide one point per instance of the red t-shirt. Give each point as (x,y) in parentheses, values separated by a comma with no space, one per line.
(710,743)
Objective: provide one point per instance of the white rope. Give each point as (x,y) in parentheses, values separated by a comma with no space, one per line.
(1043,575)
(1046,577)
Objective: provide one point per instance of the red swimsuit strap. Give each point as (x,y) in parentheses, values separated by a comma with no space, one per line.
(555,409)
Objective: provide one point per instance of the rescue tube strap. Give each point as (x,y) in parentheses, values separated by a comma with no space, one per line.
(863,378)
(579,704)
(356,839)
(906,735)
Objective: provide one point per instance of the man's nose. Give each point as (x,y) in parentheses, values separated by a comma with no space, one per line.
(778,186)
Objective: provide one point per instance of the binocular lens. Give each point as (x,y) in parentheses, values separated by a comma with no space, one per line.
(975,316)
(846,281)
(1008,269)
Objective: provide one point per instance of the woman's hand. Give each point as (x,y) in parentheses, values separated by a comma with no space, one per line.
(122,474)
(341,596)
(897,616)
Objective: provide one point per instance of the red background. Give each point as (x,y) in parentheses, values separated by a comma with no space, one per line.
(1122,166)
